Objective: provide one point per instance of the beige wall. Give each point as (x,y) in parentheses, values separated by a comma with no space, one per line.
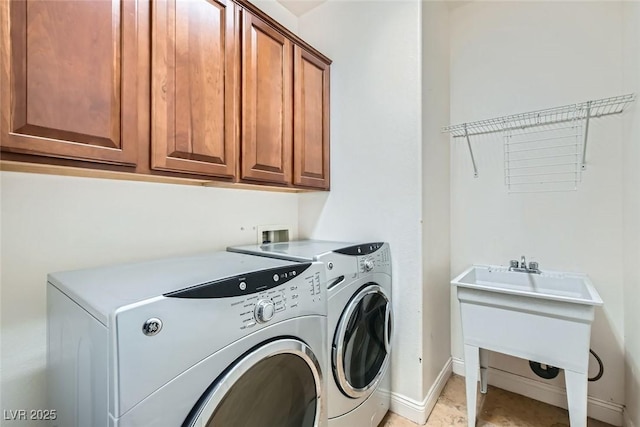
(631,212)
(436,334)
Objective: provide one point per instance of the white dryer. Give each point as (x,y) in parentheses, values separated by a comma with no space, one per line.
(214,340)
(360,323)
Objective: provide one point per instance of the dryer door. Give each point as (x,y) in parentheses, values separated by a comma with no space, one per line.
(362,342)
(276,385)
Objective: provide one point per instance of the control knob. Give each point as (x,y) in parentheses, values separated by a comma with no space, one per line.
(264,311)
(368,265)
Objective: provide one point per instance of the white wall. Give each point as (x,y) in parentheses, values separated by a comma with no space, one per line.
(375,152)
(631,185)
(52,223)
(436,334)
(278,12)
(510,57)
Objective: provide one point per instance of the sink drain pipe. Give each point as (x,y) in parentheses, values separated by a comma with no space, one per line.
(549,372)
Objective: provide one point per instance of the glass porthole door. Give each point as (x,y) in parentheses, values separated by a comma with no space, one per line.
(277,385)
(362,342)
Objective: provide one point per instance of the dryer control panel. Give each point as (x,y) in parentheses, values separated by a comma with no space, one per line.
(378,261)
(369,258)
(265,296)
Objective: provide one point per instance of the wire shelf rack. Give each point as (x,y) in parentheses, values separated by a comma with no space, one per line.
(566,113)
(583,111)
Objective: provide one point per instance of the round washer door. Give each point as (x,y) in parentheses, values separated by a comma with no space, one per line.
(276,385)
(362,342)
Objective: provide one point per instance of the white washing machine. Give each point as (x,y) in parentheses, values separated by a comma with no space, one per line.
(216,340)
(360,323)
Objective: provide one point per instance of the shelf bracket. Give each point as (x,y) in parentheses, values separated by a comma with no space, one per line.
(473,160)
(586,135)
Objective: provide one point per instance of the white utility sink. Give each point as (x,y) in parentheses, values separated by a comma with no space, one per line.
(543,317)
(551,285)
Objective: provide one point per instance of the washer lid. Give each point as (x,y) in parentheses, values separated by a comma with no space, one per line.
(102,290)
(301,250)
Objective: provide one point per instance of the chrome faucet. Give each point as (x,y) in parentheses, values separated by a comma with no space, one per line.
(521,266)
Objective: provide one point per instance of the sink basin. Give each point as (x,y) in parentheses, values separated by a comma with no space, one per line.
(542,317)
(550,285)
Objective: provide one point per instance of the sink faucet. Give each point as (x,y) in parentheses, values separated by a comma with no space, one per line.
(521,266)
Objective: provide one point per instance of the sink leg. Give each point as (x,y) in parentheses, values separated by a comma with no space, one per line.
(471,365)
(576,397)
(484,366)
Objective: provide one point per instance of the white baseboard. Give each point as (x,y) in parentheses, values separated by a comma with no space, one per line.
(602,410)
(417,411)
(458,366)
(627,420)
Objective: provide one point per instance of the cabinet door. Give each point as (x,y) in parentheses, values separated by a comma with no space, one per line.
(69,79)
(195,96)
(311,120)
(267,75)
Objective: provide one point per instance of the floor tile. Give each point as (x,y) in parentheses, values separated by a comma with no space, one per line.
(497,408)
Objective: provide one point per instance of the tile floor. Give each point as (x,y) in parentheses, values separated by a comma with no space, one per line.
(496,408)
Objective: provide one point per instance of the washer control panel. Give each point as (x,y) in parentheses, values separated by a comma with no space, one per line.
(265,296)
(264,310)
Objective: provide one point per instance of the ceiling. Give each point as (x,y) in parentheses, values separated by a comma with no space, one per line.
(300,7)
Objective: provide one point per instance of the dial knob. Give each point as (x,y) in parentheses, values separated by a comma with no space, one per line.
(264,311)
(368,265)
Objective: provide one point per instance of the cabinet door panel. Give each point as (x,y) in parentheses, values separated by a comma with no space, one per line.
(71,80)
(194,87)
(267,103)
(311,122)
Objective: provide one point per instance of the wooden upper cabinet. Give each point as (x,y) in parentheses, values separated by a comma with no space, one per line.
(311,120)
(69,79)
(195,92)
(267,123)
(189,88)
